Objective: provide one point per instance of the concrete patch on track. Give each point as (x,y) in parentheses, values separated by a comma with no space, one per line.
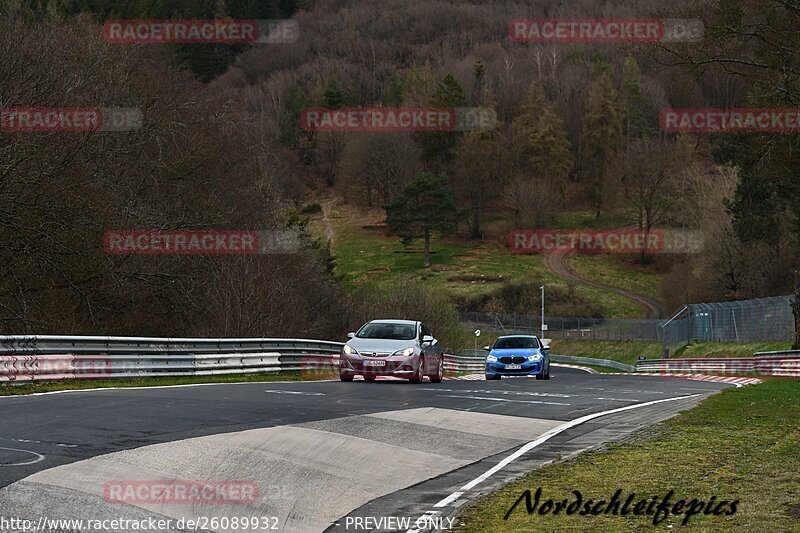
(308,475)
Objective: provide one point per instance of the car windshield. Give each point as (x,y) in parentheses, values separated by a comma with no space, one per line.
(516,342)
(385,330)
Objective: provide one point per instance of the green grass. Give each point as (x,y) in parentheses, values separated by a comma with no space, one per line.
(7,389)
(365,257)
(628,352)
(730,349)
(618,271)
(741,444)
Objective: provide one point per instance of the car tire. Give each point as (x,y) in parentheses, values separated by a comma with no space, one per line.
(418,373)
(547,374)
(494,377)
(369,377)
(540,375)
(346,377)
(437,378)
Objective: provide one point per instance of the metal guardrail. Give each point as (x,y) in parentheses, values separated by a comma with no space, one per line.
(38,357)
(784,364)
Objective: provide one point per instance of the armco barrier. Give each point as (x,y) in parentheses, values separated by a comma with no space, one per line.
(42,357)
(765,363)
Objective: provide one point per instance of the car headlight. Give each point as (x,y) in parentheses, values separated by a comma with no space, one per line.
(534,358)
(349,350)
(405,352)
(491,359)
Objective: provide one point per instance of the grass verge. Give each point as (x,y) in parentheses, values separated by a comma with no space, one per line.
(8,389)
(741,444)
(628,352)
(459,267)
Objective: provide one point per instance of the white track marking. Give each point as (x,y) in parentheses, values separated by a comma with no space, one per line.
(542,439)
(501,399)
(39,457)
(295,392)
(576,367)
(450,499)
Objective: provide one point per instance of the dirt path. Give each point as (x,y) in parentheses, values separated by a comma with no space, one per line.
(558,264)
(327,224)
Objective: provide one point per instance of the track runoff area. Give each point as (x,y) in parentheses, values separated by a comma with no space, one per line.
(305,456)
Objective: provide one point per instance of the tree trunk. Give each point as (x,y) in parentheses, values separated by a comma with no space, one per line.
(796,310)
(476,222)
(427,248)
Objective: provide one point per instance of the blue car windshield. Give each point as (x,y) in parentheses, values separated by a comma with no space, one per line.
(516,342)
(384,330)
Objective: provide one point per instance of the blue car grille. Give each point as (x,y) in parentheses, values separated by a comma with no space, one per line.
(517,360)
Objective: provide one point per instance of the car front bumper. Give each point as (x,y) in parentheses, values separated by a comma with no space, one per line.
(393,365)
(526,369)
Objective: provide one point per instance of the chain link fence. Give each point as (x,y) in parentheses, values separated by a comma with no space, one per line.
(759,320)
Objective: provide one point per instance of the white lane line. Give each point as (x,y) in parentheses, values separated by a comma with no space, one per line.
(542,439)
(576,367)
(617,399)
(155,387)
(494,391)
(295,392)
(450,499)
(500,399)
(39,457)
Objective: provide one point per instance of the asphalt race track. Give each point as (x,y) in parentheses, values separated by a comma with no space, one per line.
(323,454)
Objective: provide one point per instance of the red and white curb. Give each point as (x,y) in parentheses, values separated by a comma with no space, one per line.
(735,380)
(738,381)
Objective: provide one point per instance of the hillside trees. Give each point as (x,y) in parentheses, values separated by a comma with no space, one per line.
(195,164)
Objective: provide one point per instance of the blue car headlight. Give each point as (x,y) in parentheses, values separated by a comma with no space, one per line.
(491,359)
(534,358)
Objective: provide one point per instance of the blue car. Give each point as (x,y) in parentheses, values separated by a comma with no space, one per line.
(518,355)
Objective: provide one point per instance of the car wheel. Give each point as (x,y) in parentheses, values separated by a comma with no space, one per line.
(369,377)
(492,377)
(437,378)
(547,374)
(346,377)
(418,374)
(540,375)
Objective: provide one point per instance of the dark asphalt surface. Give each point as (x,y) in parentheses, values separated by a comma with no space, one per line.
(72,426)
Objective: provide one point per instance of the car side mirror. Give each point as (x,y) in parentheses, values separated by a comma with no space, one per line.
(351,335)
(487,348)
(427,339)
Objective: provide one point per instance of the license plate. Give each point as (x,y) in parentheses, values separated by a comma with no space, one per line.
(513,367)
(374,363)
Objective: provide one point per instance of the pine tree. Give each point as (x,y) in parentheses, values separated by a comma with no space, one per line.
(438,146)
(550,156)
(423,206)
(632,103)
(601,136)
